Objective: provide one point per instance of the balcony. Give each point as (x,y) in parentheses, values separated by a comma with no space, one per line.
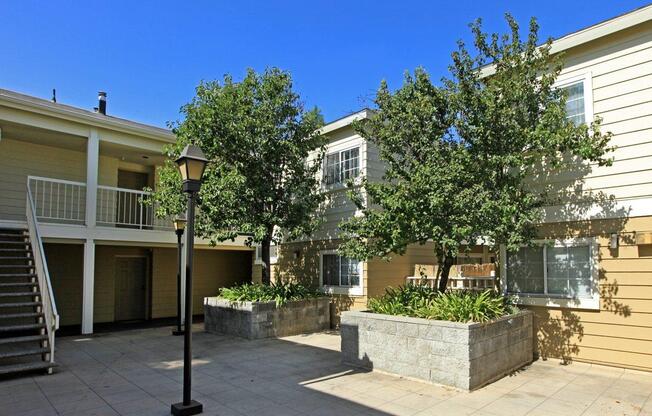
(58,201)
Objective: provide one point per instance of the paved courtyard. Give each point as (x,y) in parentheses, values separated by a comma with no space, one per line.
(140,373)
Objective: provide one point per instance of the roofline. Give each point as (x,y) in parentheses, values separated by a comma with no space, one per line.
(345,121)
(593,32)
(62,111)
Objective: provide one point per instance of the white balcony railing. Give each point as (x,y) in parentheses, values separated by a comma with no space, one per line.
(125,208)
(64,202)
(57,200)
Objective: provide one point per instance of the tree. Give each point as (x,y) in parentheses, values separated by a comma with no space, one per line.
(460,157)
(265,155)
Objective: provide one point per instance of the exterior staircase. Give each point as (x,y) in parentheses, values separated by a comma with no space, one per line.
(25,344)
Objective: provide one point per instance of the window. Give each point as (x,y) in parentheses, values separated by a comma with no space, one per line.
(273,254)
(579,98)
(340,274)
(563,270)
(575,110)
(341,166)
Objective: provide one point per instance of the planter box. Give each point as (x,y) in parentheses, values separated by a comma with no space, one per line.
(255,320)
(466,356)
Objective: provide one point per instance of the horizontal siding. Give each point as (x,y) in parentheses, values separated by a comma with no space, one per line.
(621,71)
(25,159)
(620,333)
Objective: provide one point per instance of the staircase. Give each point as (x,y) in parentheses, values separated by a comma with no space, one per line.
(25,340)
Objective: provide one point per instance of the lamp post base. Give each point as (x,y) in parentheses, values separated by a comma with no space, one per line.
(176,332)
(194,408)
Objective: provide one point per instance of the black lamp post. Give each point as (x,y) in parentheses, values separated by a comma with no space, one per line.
(179,225)
(192,163)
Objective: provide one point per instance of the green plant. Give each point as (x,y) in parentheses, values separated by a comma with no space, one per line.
(281,293)
(459,306)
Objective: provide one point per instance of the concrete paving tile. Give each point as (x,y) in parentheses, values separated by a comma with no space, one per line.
(447,408)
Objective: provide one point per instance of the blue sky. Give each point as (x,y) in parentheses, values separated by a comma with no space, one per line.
(149,55)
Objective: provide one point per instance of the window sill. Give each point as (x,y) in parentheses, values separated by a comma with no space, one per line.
(339,290)
(552,302)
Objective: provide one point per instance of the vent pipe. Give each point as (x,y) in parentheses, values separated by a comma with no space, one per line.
(101,96)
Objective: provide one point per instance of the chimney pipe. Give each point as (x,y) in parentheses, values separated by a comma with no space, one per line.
(101,96)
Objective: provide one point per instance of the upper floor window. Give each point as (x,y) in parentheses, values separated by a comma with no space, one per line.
(575,108)
(563,270)
(273,254)
(341,166)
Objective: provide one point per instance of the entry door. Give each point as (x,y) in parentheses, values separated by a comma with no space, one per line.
(130,288)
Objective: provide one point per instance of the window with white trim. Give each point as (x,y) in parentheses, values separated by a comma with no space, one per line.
(341,166)
(560,270)
(575,106)
(340,274)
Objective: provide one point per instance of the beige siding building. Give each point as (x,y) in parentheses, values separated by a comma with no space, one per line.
(109,259)
(590,280)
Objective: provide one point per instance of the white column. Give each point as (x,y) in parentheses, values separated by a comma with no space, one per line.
(92,165)
(88,287)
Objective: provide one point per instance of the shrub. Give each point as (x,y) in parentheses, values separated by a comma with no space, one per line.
(281,293)
(458,306)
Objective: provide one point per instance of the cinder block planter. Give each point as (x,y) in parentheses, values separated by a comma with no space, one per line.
(466,356)
(255,320)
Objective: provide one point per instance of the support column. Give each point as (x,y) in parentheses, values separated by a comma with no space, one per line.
(92,167)
(88,287)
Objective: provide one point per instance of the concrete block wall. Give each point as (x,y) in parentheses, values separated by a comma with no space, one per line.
(254,320)
(466,356)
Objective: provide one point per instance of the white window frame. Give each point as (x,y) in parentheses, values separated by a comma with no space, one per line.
(549,300)
(587,80)
(272,260)
(340,181)
(339,290)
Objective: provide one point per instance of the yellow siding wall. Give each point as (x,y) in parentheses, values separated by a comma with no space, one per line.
(22,159)
(620,333)
(212,270)
(621,72)
(66,267)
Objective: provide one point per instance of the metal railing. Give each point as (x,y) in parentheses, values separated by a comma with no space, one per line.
(127,208)
(64,202)
(58,200)
(48,305)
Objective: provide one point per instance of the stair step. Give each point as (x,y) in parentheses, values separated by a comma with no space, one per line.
(19,294)
(17,274)
(23,327)
(22,243)
(23,353)
(16,250)
(21,315)
(19,368)
(19,304)
(14,235)
(26,338)
(15,258)
(16,266)
(18,284)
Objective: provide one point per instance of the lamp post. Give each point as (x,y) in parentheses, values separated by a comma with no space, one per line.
(192,163)
(179,225)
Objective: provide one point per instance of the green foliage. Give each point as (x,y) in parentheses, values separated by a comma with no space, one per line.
(281,293)
(258,138)
(469,159)
(424,302)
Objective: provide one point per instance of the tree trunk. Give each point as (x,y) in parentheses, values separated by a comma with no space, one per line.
(264,255)
(444,271)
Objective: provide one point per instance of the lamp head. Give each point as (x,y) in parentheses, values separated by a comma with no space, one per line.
(192,163)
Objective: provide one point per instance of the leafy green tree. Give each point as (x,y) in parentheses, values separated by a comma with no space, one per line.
(460,158)
(265,155)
